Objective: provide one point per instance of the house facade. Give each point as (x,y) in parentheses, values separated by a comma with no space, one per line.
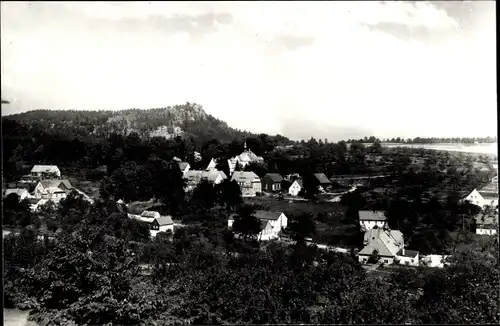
(45,170)
(157,223)
(272,182)
(272,223)
(369,219)
(212,165)
(54,190)
(295,188)
(249,183)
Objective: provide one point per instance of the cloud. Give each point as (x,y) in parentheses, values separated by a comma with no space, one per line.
(296,68)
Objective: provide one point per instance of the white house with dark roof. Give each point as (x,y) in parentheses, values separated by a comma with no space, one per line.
(485,197)
(249,183)
(20,192)
(271,223)
(295,187)
(157,223)
(44,170)
(369,219)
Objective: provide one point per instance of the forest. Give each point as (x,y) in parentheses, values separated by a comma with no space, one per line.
(100,267)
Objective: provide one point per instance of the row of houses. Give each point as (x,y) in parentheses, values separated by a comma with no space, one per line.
(44,190)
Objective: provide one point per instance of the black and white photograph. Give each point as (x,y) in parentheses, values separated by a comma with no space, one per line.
(249,162)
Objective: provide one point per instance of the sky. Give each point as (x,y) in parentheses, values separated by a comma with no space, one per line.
(334,70)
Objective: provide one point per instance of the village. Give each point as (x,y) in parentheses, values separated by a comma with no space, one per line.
(381,245)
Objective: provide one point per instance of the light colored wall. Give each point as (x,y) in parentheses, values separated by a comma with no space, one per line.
(294,189)
(163,228)
(486,231)
(368,225)
(411,261)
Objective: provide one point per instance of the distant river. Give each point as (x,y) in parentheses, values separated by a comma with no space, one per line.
(489,149)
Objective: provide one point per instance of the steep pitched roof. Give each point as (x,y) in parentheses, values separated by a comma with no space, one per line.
(386,242)
(55,183)
(267,215)
(322,178)
(150,214)
(183,165)
(245,176)
(299,182)
(372,216)
(275,177)
(44,169)
(164,220)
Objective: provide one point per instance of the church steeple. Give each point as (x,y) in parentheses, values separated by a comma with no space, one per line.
(245,145)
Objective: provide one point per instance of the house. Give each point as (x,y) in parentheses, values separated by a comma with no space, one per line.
(245,158)
(249,183)
(194,177)
(487,223)
(45,170)
(212,165)
(278,220)
(157,222)
(272,182)
(369,219)
(485,197)
(407,257)
(20,192)
(323,180)
(54,190)
(271,224)
(295,188)
(387,244)
(474,197)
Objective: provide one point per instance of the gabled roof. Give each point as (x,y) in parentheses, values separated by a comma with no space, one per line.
(164,220)
(56,183)
(299,182)
(275,177)
(245,176)
(267,215)
(150,214)
(44,169)
(322,178)
(386,242)
(183,165)
(197,175)
(372,216)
